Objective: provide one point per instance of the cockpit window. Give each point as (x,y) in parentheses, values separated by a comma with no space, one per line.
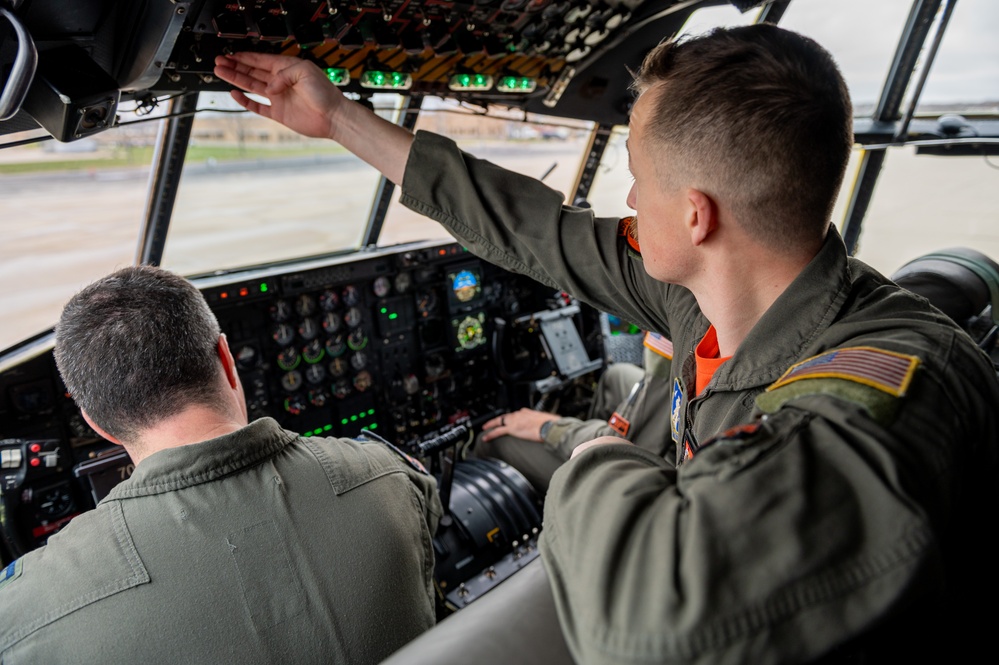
(254,192)
(538,146)
(965,73)
(861,35)
(69,213)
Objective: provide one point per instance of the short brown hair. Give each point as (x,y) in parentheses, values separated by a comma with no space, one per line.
(138,346)
(758,116)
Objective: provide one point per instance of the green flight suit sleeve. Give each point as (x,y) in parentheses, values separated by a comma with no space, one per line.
(567,433)
(520,224)
(779,540)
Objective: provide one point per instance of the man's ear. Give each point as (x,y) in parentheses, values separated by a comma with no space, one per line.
(228,362)
(97,428)
(702,219)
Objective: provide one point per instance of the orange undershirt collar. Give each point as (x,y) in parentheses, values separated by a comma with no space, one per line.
(706,359)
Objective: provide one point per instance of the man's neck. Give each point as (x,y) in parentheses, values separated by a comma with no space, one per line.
(736,294)
(192,425)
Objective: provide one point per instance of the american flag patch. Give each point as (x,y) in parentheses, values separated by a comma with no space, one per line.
(885,370)
(659,344)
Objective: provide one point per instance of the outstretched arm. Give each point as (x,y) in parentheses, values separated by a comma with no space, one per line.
(304,100)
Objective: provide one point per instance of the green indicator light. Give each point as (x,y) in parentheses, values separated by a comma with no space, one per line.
(307,434)
(327,428)
(338,75)
(393,316)
(362,415)
(384,310)
(344,421)
(466,82)
(263,288)
(318,430)
(353,419)
(373,426)
(386,80)
(371,412)
(516,84)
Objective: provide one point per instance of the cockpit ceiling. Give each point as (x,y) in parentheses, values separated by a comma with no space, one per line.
(567,58)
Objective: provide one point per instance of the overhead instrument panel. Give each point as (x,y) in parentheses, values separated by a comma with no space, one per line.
(567,58)
(496,47)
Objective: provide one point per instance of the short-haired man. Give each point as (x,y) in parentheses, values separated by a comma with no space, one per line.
(832,481)
(231,542)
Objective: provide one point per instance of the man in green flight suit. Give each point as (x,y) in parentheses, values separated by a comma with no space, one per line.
(832,479)
(628,403)
(230,542)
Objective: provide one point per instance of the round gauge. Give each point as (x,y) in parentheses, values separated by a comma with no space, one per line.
(465,285)
(381,286)
(294,404)
(305,305)
(291,381)
(332,322)
(280,310)
(313,352)
(410,384)
(338,367)
(318,397)
(358,360)
(357,340)
(246,357)
(336,345)
(470,333)
(315,374)
(308,329)
(362,381)
(289,359)
(329,300)
(426,301)
(353,317)
(341,388)
(283,334)
(403,281)
(55,501)
(351,296)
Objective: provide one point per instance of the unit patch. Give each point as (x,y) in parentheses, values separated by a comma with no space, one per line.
(628,228)
(886,371)
(674,410)
(619,424)
(10,573)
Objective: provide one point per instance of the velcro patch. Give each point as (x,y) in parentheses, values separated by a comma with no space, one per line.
(660,344)
(886,371)
(10,573)
(627,228)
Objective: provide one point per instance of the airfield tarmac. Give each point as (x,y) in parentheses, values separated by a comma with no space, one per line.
(61,231)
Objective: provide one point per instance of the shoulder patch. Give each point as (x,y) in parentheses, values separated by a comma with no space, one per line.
(882,370)
(626,228)
(10,573)
(660,344)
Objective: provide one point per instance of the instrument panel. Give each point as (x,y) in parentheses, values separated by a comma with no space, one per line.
(400,342)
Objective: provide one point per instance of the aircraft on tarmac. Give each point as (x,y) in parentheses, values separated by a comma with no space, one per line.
(346,311)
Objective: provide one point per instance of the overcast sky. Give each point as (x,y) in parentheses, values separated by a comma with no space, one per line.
(863,34)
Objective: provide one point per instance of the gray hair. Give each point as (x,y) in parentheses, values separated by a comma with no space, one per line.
(136,347)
